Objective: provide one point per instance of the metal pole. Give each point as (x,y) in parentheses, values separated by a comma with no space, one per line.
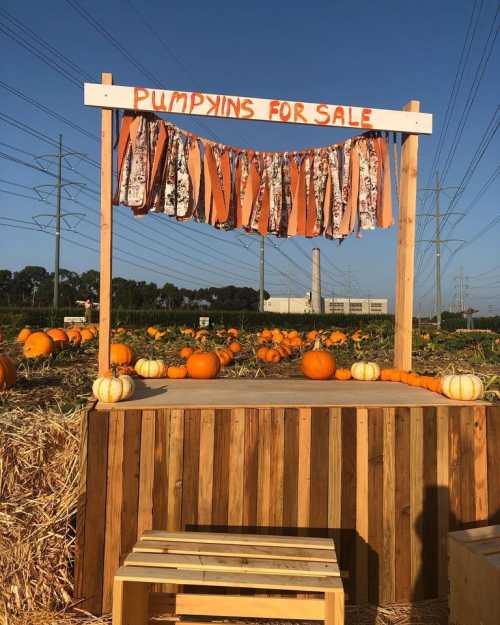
(58,227)
(261,275)
(438,256)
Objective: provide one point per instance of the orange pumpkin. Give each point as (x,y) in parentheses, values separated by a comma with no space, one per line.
(121,354)
(86,335)
(23,335)
(343,374)
(312,334)
(151,331)
(396,375)
(7,373)
(405,376)
(225,356)
(318,364)
(338,338)
(186,352)
(234,332)
(38,345)
(262,353)
(59,336)
(386,375)
(203,365)
(235,347)
(284,350)
(435,385)
(177,373)
(74,337)
(273,355)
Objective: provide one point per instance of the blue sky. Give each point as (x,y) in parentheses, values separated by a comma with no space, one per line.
(375,54)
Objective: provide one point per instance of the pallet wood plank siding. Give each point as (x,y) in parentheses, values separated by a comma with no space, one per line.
(386,483)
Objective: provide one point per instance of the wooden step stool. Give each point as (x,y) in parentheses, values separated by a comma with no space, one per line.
(272,563)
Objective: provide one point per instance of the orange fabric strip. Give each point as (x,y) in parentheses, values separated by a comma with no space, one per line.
(217,194)
(194,168)
(208,188)
(311,212)
(294,181)
(251,191)
(264,210)
(226,185)
(238,221)
(349,217)
(387,219)
(123,140)
(300,199)
(327,206)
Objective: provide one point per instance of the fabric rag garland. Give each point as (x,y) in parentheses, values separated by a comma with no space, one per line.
(333,190)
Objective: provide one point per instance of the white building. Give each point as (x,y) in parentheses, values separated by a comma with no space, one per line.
(335,305)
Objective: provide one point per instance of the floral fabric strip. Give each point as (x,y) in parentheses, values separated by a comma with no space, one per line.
(330,191)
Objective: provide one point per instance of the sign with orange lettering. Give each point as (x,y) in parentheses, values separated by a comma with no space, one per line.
(261,109)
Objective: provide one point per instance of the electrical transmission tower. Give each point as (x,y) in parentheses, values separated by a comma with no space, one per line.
(461,291)
(45,220)
(438,242)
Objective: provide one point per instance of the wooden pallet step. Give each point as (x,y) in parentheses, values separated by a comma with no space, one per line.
(161,575)
(244,565)
(242,539)
(236,551)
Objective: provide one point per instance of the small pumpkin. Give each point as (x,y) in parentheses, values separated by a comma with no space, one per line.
(466,387)
(386,375)
(38,345)
(273,355)
(365,371)
(7,373)
(225,356)
(435,385)
(343,374)
(87,335)
(120,330)
(338,338)
(121,354)
(203,365)
(395,375)
(177,373)
(235,347)
(150,368)
(23,335)
(112,389)
(60,338)
(312,334)
(186,352)
(318,364)
(261,353)
(234,332)
(151,331)
(74,337)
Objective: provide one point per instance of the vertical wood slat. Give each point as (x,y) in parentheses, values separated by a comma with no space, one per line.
(190,468)
(291,468)
(221,467)
(454,468)
(349,537)
(403,502)
(428,582)
(416,499)
(236,467)
(480,466)
(251,467)
(264,468)
(304,468)
(467,497)
(89,573)
(277,466)
(318,491)
(161,470)
(81,506)
(387,565)
(206,466)
(175,469)
(362,505)
(113,503)
(376,496)
(130,480)
(443,505)
(335,475)
(493,433)
(146,472)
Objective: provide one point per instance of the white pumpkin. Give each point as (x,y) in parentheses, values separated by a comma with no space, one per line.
(465,387)
(147,368)
(365,371)
(112,389)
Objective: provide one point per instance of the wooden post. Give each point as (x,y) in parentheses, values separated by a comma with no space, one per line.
(406,247)
(106,233)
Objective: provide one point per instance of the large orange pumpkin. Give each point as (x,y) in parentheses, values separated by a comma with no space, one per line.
(7,373)
(37,345)
(74,337)
(318,364)
(203,365)
(59,336)
(121,354)
(23,335)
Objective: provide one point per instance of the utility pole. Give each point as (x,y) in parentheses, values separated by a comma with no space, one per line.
(261,274)
(58,225)
(316,281)
(437,190)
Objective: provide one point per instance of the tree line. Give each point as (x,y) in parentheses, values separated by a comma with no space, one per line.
(33,287)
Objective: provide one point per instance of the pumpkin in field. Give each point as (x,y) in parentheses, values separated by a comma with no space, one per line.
(233,332)
(186,352)
(284,351)
(121,354)
(343,374)
(59,336)
(86,335)
(338,338)
(7,373)
(110,389)
(177,373)
(188,331)
(272,355)
(38,345)
(120,330)
(465,387)
(150,368)
(365,371)
(203,365)
(74,337)
(93,329)
(312,334)
(160,334)
(151,331)
(225,356)
(261,353)
(235,347)
(23,335)
(318,364)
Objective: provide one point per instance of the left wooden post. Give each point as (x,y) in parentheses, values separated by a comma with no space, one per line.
(106,244)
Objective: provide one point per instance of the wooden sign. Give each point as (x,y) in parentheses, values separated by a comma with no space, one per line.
(246,108)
